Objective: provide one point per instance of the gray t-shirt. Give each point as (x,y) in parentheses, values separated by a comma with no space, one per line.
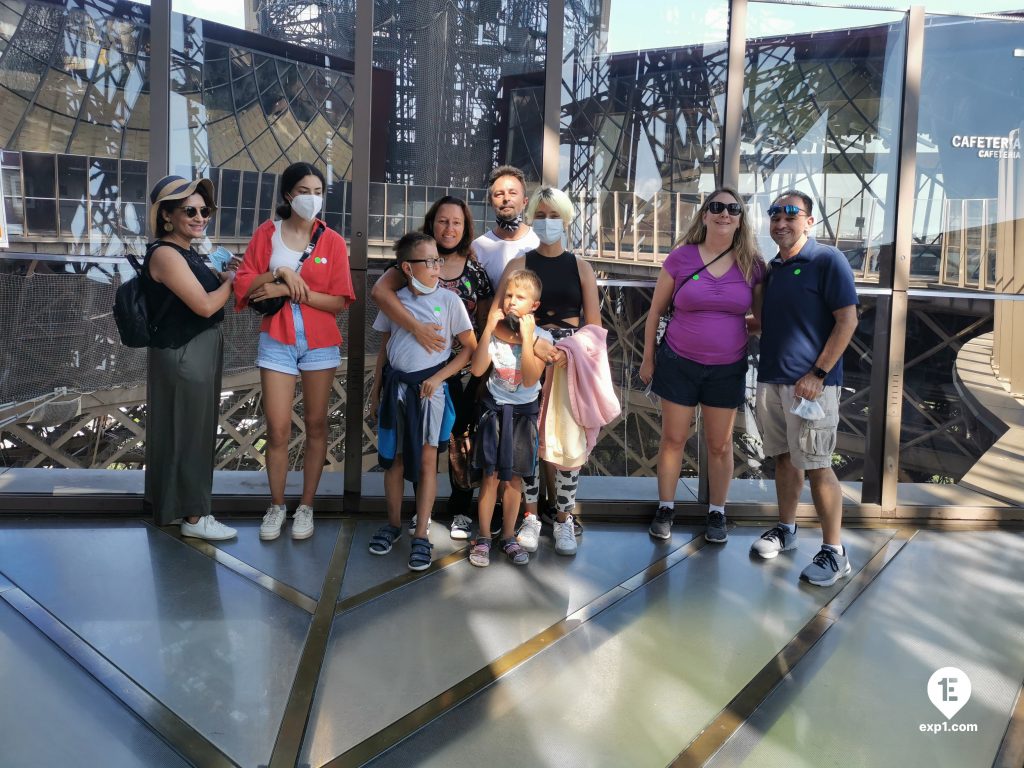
(506,380)
(442,307)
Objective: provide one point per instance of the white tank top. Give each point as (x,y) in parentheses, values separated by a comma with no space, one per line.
(280,254)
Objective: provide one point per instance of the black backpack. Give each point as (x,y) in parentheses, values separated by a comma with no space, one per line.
(131,308)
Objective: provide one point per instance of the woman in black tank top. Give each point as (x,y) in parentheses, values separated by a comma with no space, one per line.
(185,359)
(568,301)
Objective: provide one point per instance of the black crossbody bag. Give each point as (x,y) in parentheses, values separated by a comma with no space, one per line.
(274,304)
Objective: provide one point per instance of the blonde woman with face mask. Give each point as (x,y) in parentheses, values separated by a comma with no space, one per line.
(300,340)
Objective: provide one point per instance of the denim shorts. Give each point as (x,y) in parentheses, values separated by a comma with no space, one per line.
(292,358)
(685,382)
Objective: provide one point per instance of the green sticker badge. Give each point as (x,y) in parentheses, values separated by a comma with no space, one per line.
(796,271)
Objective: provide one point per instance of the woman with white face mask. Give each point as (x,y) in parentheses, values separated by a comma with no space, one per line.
(299,258)
(568,301)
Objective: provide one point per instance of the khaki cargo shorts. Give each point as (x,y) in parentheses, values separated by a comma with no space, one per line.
(809,443)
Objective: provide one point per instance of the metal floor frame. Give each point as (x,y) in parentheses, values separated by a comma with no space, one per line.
(636,652)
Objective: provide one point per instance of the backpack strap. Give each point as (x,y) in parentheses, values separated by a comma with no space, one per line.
(142,271)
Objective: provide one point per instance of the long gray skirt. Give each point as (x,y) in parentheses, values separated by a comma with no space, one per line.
(181,426)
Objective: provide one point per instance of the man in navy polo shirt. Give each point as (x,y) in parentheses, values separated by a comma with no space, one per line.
(807,320)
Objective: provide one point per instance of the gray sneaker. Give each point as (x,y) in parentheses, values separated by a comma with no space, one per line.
(661,526)
(827,568)
(716,532)
(773,541)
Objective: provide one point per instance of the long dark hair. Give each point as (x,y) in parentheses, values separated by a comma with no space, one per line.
(462,248)
(292,175)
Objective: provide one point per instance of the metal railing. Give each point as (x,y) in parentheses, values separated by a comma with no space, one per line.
(614,227)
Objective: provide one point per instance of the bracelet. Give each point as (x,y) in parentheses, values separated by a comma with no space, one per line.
(274,273)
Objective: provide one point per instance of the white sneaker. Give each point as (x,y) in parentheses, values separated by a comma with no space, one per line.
(412,526)
(270,528)
(207,528)
(302,522)
(462,526)
(529,533)
(565,537)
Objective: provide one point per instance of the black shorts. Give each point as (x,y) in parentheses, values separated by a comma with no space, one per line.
(685,382)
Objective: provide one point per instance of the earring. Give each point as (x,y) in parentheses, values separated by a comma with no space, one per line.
(168,227)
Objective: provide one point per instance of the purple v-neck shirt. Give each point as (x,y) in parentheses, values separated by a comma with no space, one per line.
(708,324)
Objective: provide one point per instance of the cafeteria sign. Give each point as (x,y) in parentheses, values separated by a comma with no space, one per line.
(999,147)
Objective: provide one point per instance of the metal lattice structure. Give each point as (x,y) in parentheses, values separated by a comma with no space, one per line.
(453,62)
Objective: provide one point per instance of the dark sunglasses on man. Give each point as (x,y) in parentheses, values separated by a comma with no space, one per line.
(191,211)
(717,206)
(788,210)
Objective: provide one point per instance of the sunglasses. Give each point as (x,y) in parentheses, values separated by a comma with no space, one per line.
(788,210)
(431,263)
(191,211)
(734,209)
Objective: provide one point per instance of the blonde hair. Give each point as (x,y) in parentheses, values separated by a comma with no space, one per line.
(743,246)
(523,278)
(554,197)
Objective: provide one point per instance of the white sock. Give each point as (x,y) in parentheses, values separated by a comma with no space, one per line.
(670,504)
(789,527)
(839,549)
(716,508)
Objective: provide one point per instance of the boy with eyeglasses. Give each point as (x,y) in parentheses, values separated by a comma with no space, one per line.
(410,395)
(808,318)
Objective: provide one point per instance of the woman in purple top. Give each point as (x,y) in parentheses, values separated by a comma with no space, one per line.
(713,280)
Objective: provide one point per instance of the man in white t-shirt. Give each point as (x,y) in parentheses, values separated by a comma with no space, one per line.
(510,236)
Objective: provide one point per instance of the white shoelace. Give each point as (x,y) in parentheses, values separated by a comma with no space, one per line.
(564,532)
(461,521)
(274,516)
(303,515)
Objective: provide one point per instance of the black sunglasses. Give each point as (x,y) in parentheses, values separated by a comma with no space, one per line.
(191,211)
(789,210)
(717,206)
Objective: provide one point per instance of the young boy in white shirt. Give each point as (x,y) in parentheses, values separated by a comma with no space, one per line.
(410,394)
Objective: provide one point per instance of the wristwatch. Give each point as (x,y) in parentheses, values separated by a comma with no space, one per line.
(821,373)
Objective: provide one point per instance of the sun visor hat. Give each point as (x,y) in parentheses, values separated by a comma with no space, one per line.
(174,188)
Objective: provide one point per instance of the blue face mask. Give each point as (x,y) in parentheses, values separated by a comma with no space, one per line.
(548,230)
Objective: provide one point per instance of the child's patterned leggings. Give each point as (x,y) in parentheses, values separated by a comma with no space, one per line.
(566,482)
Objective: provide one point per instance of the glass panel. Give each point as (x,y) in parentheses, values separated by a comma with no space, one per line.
(41,216)
(640,124)
(39,175)
(254,112)
(133,181)
(823,93)
(74,83)
(71,177)
(968,149)
(947,431)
